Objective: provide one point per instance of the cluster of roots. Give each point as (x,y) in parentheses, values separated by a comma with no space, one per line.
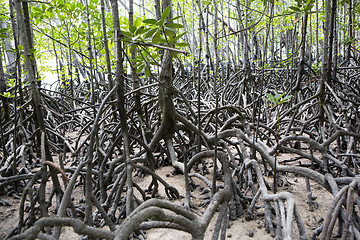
(229,122)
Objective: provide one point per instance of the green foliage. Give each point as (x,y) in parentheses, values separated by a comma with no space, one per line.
(61,26)
(8,94)
(301,9)
(316,66)
(166,13)
(278,98)
(2,31)
(148,33)
(348,40)
(11,84)
(152,31)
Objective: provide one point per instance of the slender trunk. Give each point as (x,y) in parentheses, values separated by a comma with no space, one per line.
(135,78)
(245,52)
(29,34)
(106,45)
(158,9)
(111,85)
(207,48)
(351,37)
(136,85)
(199,75)
(213,190)
(17,65)
(301,70)
(5,101)
(91,75)
(119,79)
(326,66)
(88,177)
(317,32)
(35,94)
(70,62)
(310,42)
(165,93)
(8,50)
(331,39)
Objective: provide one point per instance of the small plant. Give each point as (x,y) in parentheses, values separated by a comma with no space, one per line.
(277,100)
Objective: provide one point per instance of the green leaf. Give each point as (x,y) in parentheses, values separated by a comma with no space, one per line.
(154,63)
(308,8)
(295,8)
(138,64)
(126,33)
(140,68)
(166,12)
(277,99)
(182,44)
(150,33)
(174,25)
(36,10)
(132,29)
(285,99)
(3,36)
(52,14)
(7,95)
(270,97)
(73,7)
(175,18)
(59,6)
(170,32)
(150,21)
(278,96)
(32,50)
(309,2)
(147,71)
(137,22)
(179,36)
(10,83)
(79,5)
(156,38)
(160,22)
(133,48)
(141,30)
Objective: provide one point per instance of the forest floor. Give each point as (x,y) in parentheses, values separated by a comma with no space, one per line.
(240,229)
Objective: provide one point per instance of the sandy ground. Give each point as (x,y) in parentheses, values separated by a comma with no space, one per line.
(239,229)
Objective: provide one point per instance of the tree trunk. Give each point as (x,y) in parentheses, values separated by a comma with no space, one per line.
(351,37)
(35,95)
(301,70)
(5,101)
(119,79)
